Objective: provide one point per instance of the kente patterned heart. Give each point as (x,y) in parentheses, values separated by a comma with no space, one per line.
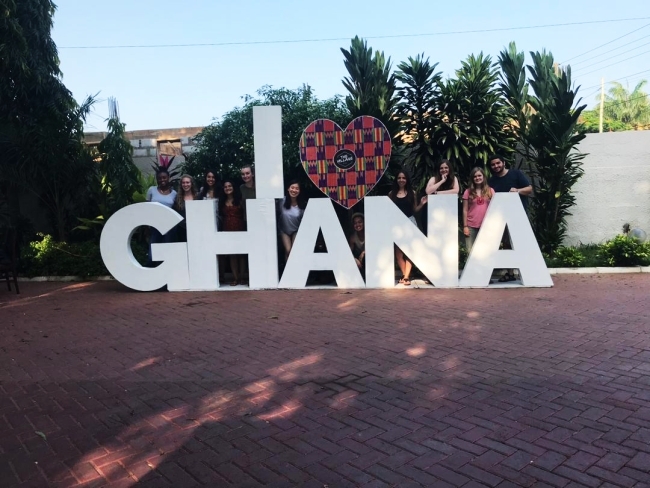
(345,164)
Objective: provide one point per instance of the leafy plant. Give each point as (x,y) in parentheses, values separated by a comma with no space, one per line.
(590,123)
(628,107)
(145,181)
(120,176)
(548,135)
(165,162)
(625,251)
(41,124)
(372,88)
(418,116)
(48,257)
(472,117)
(568,257)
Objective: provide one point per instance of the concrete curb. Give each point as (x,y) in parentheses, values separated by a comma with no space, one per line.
(552,271)
(600,270)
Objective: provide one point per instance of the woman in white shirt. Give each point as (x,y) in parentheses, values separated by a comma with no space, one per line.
(165,195)
(291,213)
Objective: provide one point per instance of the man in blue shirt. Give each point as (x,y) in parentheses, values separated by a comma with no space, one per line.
(508,180)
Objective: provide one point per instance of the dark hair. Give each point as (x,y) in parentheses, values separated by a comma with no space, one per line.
(205,188)
(496,156)
(249,166)
(161,171)
(449,184)
(302,203)
(236,195)
(492,158)
(410,195)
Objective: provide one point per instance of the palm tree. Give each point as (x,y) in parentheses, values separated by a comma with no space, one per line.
(628,107)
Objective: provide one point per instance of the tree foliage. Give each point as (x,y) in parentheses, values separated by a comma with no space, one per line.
(227,144)
(472,117)
(120,177)
(418,115)
(628,107)
(372,88)
(590,123)
(41,125)
(550,135)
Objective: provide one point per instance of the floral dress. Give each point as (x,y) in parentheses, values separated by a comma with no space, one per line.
(233,218)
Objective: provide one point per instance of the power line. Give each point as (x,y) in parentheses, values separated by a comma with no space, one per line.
(618,79)
(603,45)
(611,50)
(611,57)
(591,94)
(627,101)
(244,43)
(618,62)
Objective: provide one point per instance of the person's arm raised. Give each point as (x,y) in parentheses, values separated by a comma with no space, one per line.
(419,206)
(453,191)
(432,186)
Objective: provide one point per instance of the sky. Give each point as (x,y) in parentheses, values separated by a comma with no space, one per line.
(186,86)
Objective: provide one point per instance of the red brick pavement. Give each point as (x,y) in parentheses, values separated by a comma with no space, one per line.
(100,386)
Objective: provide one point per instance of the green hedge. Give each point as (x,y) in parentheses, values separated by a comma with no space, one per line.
(50,258)
(619,251)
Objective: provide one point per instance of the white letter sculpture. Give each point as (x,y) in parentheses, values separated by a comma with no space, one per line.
(505,210)
(258,242)
(193,265)
(436,255)
(320,215)
(115,247)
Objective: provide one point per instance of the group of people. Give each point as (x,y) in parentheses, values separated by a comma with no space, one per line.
(476,199)
(231,209)
(231,214)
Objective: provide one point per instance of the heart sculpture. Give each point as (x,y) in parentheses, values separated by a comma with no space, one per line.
(345,164)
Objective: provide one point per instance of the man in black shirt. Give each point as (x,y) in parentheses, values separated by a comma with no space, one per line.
(508,180)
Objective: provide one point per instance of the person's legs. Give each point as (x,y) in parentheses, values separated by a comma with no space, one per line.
(469,240)
(234,265)
(287,242)
(401,262)
(408,265)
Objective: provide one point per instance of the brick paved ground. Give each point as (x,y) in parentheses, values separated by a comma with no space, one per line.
(105,387)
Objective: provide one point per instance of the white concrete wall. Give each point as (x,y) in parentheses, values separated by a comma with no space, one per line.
(615,188)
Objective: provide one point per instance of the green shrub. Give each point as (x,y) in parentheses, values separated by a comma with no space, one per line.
(568,257)
(48,257)
(625,251)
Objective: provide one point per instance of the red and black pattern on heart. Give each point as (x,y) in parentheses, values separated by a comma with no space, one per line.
(345,164)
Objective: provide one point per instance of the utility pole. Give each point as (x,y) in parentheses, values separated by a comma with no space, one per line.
(602,104)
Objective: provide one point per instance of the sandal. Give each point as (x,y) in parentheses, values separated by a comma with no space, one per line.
(406,282)
(401,281)
(233,283)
